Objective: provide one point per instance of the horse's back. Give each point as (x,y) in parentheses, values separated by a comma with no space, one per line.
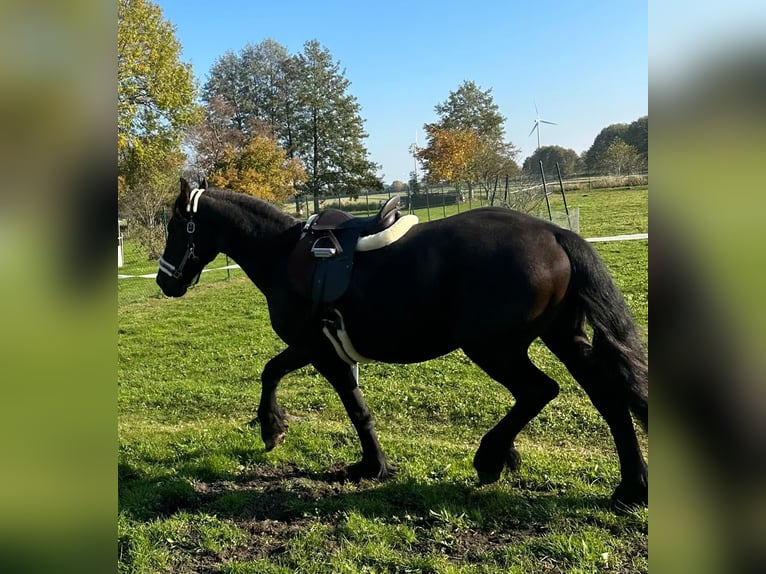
(485,271)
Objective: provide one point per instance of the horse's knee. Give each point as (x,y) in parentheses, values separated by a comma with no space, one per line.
(271,374)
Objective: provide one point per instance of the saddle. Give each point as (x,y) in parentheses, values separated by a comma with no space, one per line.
(322,262)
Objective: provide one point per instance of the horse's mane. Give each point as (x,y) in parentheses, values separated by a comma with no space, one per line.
(254,214)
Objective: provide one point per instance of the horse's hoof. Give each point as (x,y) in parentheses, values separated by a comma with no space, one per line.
(631,496)
(488,477)
(272,442)
(513,460)
(378,471)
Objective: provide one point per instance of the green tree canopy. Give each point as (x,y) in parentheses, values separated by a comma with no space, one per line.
(155,104)
(473,109)
(155,90)
(635,134)
(568,160)
(620,158)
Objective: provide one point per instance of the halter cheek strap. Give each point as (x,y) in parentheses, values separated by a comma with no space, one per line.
(191,208)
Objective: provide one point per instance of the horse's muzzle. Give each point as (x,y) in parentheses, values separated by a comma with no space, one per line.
(171,287)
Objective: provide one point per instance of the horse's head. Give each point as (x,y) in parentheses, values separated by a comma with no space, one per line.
(189,247)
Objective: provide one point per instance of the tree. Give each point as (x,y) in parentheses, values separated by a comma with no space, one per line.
(398,187)
(471,108)
(155,184)
(259,168)
(568,160)
(155,91)
(303,101)
(252,83)
(620,157)
(492,163)
(635,135)
(594,157)
(330,132)
(155,103)
(211,139)
(466,144)
(449,154)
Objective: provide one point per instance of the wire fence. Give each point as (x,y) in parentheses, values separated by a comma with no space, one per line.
(136,270)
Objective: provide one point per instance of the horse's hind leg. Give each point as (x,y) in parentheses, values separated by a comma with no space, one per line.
(601,381)
(532,390)
(270,415)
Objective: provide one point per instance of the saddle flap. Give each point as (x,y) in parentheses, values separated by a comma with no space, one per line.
(322,262)
(321,265)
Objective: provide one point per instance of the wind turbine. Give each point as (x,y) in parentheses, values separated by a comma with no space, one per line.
(539,121)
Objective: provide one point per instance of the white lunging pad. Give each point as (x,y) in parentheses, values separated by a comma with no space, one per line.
(387,236)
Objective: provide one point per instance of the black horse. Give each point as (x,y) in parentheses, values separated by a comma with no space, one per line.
(488,281)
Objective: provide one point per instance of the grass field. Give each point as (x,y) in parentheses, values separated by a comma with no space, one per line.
(198,493)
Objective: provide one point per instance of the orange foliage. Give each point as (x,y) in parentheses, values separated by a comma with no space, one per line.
(259,168)
(449,154)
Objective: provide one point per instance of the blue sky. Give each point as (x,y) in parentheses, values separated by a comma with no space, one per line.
(583,63)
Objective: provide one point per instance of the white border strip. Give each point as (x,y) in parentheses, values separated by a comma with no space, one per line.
(631,237)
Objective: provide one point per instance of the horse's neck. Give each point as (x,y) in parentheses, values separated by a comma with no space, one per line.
(256,237)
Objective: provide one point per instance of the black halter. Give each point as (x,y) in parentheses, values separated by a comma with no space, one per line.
(176,271)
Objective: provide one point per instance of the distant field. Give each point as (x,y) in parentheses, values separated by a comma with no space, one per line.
(199,494)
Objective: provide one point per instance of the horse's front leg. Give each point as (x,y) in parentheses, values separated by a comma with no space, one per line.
(271,416)
(374,463)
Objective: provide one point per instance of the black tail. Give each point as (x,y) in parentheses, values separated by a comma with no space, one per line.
(615,337)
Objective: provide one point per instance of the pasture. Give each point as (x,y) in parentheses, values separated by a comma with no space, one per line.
(198,493)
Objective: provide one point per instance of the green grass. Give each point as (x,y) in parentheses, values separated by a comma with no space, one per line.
(198,493)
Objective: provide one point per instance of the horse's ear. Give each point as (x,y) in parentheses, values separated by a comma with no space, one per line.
(185,195)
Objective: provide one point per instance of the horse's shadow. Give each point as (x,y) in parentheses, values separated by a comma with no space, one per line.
(289,493)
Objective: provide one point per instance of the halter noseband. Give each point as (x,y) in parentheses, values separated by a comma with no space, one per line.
(167,267)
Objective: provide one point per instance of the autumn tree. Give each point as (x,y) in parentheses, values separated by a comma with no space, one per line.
(448,154)
(260,168)
(304,101)
(155,103)
(466,144)
(217,133)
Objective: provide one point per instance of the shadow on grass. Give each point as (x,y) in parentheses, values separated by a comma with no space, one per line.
(289,493)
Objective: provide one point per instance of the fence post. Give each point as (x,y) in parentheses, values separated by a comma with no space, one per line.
(444,206)
(545,191)
(563,195)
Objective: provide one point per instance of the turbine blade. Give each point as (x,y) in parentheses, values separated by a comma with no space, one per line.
(547,122)
(533,129)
